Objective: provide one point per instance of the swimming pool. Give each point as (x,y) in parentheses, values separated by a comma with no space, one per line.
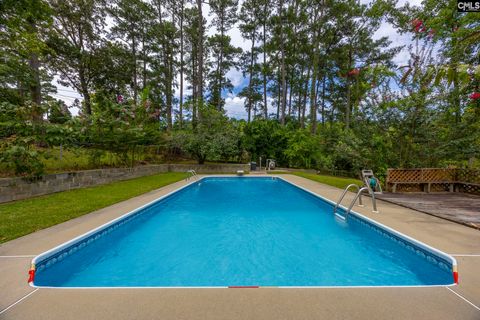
(241,231)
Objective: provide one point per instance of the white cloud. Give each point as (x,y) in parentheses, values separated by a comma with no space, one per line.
(235,107)
(397,39)
(238,40)
(235,76)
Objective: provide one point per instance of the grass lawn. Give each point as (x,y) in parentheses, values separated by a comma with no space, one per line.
(22,217)
(330,180)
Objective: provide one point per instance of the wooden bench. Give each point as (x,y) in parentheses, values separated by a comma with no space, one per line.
(422,179)
(426,186)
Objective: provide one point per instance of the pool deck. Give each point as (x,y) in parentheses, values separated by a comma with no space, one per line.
(20,301)
(458,207)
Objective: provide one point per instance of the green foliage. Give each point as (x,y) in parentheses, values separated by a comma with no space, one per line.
(303,149)
(58,112)
(266,139)
(215,138)
(22,160)
(339,101)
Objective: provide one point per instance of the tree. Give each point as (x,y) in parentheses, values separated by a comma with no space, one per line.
(191,41)
(198,80)
(165,32)
(76,37)
(24,25)
(223,57)
(225,14)
(129,29)
(249,23)
(215,137)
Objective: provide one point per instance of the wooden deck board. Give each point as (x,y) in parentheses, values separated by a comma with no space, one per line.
(458,207)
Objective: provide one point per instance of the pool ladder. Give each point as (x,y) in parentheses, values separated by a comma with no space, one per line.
(192,174)
(358,196)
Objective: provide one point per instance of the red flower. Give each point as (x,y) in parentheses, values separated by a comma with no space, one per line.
(475,96)
(418,25)
(353,72)
(119,99)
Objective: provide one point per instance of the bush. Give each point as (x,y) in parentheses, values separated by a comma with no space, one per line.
(23,161)
(303,149)
(215,138)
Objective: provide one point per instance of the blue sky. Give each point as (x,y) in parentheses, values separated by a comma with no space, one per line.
(234,105)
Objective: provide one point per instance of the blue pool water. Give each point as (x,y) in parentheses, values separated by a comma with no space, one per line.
(242,232)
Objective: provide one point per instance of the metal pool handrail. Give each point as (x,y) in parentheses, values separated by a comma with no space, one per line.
(343,195)
(357,196)
(192,173)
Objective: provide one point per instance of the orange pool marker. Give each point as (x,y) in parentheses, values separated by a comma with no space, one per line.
(455,277)
(31,274)
(455,274)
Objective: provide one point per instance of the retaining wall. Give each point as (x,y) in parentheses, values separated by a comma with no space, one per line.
(23,188)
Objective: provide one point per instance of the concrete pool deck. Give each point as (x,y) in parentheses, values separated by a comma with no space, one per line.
(20,301)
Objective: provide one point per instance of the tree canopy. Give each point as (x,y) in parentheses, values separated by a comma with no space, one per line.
(320,88)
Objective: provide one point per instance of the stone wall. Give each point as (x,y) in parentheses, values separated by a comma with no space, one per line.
(22,188)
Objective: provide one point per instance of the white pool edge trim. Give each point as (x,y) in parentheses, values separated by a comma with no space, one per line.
(48,253)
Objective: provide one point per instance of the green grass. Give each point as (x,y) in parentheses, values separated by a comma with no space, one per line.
(22,217)
(330,180)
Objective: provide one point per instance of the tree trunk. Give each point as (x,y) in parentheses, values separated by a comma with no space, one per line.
(456,96)
(35,86)
(83,81)
(194,92)
(250,78)
(332,113)
(168,73)
(313,97)
(279,98)
(180,116)
(300,95)
(84,92)
(348,107)
(291,78)
(282,65)
(169,91)
(313,101)
(290,98)
(219,70)
(134,62)
(144,58)
(305,95)
(324,80)
(265,65)
(200,57)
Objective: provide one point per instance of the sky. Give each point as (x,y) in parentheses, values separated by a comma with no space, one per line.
(234,105)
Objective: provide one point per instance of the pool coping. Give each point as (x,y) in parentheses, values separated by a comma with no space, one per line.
(46,254)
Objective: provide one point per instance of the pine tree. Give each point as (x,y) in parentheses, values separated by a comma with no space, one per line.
(223,54)
(77,36)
